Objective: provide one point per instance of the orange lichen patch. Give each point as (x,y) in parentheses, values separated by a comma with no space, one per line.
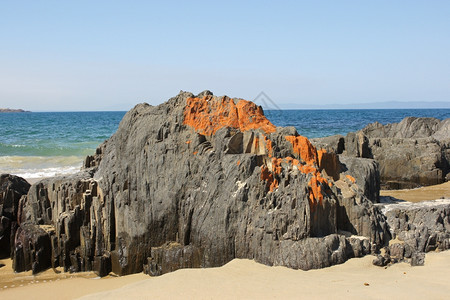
(351,178)
(307,169)
(255,144)
(276,165)
(208,114)
(303,147)
(315,195)
(251,116)
(195,152)
(268,146)
(188,142)
(320,155)
(269,175)
(292,161)
(266,174)
(238,162)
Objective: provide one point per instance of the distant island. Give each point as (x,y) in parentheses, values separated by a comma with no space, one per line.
(10,110)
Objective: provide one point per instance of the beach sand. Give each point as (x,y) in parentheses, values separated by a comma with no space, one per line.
(245,279)
(51,285)
(355,279)
(420,194)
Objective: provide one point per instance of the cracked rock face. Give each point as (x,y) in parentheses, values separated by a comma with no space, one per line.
(421,227)
(196,182)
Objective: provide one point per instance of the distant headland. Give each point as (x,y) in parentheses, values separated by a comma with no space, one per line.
(10,110)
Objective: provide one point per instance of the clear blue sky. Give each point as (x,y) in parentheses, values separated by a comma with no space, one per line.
(110,55)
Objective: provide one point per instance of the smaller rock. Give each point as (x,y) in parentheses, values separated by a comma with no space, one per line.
(418,259)
(102,265)
(397,251)
(381,261)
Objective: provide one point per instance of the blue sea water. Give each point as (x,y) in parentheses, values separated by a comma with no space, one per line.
(35,145)
(320,123)
(42,144)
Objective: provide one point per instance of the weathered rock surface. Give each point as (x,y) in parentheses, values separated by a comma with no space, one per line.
(411,153)
(198,181)
(12,188)
(422,227)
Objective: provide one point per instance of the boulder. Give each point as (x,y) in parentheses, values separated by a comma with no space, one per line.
(423,226)
(416,228)
(414,152)
(12,188)
(198,181)
(32,249)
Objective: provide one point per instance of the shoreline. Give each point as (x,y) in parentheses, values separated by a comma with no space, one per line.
(241,278)
(427,193)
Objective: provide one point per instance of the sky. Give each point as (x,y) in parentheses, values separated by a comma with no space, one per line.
(110,55)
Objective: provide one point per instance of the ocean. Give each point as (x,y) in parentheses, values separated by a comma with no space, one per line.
(43,144)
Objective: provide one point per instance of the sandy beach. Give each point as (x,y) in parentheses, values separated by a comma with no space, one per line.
(355,279)
(245,279)
(420,194)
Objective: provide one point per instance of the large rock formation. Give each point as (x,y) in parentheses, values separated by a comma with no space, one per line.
(411,153)
(12,188)
(198,181)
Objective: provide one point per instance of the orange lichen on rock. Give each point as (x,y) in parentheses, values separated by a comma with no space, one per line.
(208,114)
(269,175)
(315,195)
(266,175)
(268,146)
(238,162)
(251,116)
(195,152)
(306,169)
(351,178)
(303,147)
(312,162)
(320,155)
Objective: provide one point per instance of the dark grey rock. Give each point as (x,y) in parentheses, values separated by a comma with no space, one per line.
(32,249)
(365,172)
(332,144)
(12,188)
(159,195)
(397,251)
(412,153)
(158,182)
(173,256)
(419,227)
(418,259)
(102,265)
(381,261)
